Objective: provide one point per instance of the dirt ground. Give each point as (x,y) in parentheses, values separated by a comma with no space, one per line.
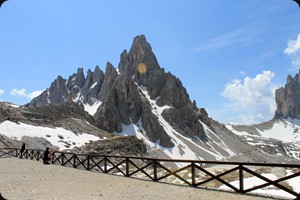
(26,179)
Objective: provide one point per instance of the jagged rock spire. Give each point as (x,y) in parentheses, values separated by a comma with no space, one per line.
(288,99)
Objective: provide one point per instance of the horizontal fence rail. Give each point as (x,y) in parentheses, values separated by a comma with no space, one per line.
(231,176)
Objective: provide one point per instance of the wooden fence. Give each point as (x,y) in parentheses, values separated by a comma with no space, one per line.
(206,174)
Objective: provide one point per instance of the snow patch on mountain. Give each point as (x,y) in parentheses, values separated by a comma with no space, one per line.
(281,135)
(286,130)
(60,137)
(92,109)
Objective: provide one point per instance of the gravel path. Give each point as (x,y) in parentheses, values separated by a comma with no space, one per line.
(26,179)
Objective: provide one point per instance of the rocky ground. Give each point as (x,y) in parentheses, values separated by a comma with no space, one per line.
(129,145)
(26,179)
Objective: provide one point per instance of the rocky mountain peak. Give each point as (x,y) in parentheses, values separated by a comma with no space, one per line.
(92,85)
(109,78)
(141,54)
(75,83)
(288,99)
(132,96)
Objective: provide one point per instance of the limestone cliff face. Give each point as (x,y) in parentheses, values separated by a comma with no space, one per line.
(92,86)
(288,99)
(130,95)
(109,79)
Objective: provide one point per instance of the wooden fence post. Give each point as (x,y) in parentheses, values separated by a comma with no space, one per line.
(88,163)
(105,164)
(62,159)
(241,176)
(38,155)
(127,167)
(193,171)
(74,161)
(155,170)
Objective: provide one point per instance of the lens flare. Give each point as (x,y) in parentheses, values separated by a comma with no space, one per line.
(142,68)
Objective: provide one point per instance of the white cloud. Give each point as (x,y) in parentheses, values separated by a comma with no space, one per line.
(1,91)
(253,98)
(243,73)
(22,93)
(235,38)
(293,50)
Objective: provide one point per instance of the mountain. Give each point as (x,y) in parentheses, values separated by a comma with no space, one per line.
(119,96)
(136,99)
(288,99)
(281,135)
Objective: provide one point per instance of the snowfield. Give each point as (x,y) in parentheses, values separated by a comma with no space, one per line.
(59,137)
(286,130)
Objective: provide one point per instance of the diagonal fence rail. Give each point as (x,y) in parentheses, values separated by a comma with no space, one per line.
(231,176)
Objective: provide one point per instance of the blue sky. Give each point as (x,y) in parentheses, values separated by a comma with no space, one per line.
(230,55)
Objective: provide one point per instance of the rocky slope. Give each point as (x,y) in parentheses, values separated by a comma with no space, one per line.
(117,146)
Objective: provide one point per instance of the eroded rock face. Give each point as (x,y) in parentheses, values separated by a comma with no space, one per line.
(124,102)
(184,121)
(92,86)
(116,146)
(203,116)
(109,79)
(288,99)
(77,88)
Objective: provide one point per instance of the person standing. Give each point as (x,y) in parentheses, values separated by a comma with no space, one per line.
(22,150)
(46,158)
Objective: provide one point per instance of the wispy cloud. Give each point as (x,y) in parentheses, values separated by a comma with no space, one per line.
(23,93)
(1,91)
(253,98)
(293,50)
(238,37)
